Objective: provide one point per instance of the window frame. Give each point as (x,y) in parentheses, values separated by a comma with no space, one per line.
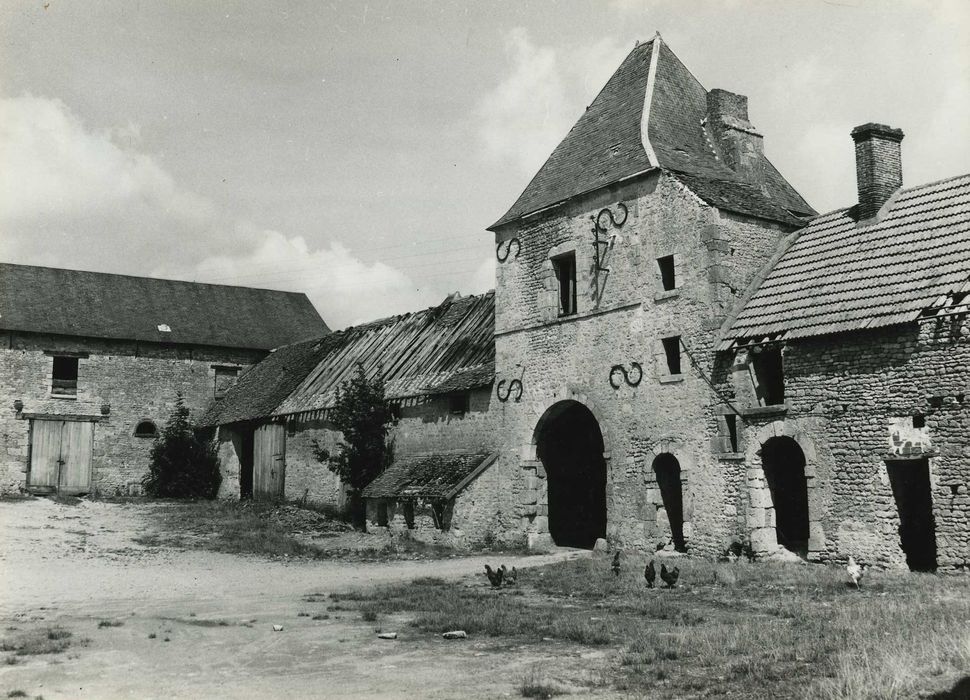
(672,355)
(68,387)
(568,297)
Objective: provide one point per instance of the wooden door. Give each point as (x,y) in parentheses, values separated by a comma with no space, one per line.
(269,461)
(45,455)
(60,456)
(77,438)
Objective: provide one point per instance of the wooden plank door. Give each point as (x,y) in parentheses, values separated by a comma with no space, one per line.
(269,461)
(77,439)
(45,455)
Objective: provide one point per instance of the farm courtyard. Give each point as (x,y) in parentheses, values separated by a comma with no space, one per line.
(160,600)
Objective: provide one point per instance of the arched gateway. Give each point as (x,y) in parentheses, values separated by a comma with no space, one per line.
(569,444)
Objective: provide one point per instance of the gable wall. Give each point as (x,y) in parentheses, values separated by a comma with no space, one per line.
(138,382)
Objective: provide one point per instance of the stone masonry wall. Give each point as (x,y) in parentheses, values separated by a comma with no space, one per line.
(851,401)
(621,318)
(136,381)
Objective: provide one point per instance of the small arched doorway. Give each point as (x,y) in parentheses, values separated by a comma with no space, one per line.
(784,466)
(569,444)
(666,468)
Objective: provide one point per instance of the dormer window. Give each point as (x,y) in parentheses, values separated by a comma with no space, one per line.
(769,375)
(565,269)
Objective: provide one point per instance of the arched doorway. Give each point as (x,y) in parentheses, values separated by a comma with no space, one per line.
(667,470)
(570,446)
(784,467)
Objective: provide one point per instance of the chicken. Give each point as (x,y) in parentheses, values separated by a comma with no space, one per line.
(650,574)
(734,552)
(669,577)
(856,572)
(494,577)
(615,566)
(509,577)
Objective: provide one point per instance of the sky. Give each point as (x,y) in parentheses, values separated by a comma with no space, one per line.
(358,151)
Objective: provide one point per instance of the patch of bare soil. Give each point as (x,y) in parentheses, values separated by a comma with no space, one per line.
(160,622)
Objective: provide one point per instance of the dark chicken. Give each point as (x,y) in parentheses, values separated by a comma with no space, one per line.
(508,577)
(650,574)
(615,567)
(669,577)
(494,577)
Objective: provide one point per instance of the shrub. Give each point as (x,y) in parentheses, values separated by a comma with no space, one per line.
(183,465)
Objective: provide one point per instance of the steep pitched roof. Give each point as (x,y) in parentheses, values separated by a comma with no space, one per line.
(440,475)
(838,277)
(446,348)
(607,145)
(99,305)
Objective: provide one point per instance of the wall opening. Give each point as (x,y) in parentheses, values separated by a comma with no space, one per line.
(667,469)
(570,445)
(565,268)
(672,353)
(382,513)
(146,429)
(64,376)
(910,481)
(246,463)
(668,277)
(769,375)
(459,403)
(784,468)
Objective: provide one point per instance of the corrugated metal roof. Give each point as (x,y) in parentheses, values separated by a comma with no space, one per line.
(606,145)
(446,348)
(838,276)
(100,305)
(439,475)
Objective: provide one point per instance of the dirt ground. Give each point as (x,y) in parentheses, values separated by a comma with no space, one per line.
(198,624)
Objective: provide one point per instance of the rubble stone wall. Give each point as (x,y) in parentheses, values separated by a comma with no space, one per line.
(134,381)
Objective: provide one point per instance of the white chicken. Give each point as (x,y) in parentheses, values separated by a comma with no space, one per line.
(856,572)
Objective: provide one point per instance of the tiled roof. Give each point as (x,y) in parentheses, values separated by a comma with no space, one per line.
(606,145)
(440,475)
(98,305)
(446,348)
(837,276)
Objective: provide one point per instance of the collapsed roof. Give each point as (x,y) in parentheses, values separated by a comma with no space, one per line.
(444,349)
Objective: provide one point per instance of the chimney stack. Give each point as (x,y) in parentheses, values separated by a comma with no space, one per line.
(741,145)
(878,166)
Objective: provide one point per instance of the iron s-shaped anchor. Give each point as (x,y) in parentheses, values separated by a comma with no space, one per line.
(513,385)
(614,222)
(620,369)
(503,256)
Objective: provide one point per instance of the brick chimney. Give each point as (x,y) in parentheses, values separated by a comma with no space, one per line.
(878,167)
(741,145)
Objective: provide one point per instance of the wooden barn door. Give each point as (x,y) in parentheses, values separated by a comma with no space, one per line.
(60,456)
(269,461)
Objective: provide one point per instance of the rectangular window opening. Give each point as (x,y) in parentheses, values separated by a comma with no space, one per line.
(668,277)
(64,376)
(382,513)
(769,374)
(565,268)
(458,403)
(731,423)
(672,351)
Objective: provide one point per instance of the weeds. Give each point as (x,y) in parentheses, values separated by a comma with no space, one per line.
(798,629)
(534,686)
(110,623)
(48,640)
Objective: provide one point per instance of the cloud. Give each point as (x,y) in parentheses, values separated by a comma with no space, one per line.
(53,165)
(75,197)
(344,289)
(526,115)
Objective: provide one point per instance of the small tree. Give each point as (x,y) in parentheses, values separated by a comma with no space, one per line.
(182,465)
(363,417)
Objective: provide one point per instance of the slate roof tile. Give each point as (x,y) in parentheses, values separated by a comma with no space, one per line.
(98,305)
(839,277)
(428,476)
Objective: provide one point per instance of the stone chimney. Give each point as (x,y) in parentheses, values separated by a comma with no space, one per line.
(741,145)
(878,167)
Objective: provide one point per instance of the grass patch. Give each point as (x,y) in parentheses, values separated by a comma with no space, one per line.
(796,628)
(533,685)
(110,623)
(47,640)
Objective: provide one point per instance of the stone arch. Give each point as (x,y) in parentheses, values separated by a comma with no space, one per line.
(668,472)
(791,464)
(535,478)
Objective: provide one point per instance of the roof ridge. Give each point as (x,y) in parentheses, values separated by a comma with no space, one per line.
(146,277)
